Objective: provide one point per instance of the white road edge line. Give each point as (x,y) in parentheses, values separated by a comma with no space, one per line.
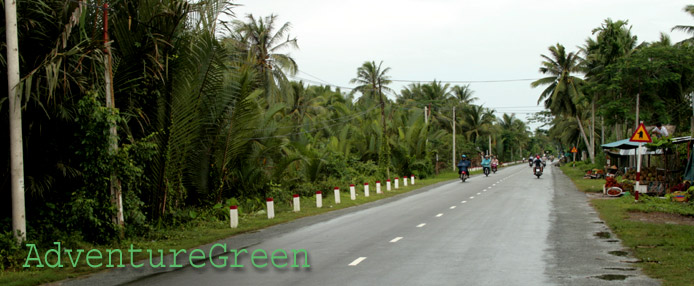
(357,261)
(421,224)
(396,239)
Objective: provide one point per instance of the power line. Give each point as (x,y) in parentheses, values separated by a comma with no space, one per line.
(465,81)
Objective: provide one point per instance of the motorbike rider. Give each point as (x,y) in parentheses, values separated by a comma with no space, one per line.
(530,159)
(538,163)
(486,163)
(463,164)
(495,161)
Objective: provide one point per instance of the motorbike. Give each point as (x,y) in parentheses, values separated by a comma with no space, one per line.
(464,175)
(530,163)
(486,171)
(537,171)
(494,168)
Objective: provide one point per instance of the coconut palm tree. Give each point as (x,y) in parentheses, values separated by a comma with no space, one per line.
(464,94)
(263,40)
(689,9)
(372,80)
(563,88)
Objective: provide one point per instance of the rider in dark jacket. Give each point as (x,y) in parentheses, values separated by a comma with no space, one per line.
(463,164)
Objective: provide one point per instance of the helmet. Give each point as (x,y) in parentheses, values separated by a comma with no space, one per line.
(463,156)
(486,156)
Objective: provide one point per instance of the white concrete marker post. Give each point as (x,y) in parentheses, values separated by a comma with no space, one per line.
(270,208)
(378,187)
(319,199)
(412,179)
(366,189)
(337,195)
(297,203)
(404,181)
(233,216)
(352,192)
(396,183)
(388,185)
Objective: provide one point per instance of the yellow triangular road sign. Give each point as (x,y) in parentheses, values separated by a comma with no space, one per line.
(573,150)
(641,135)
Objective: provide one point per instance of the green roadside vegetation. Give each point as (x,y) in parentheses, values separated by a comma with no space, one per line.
(207,226)
(664,250)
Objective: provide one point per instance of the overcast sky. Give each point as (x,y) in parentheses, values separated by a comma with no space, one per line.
(454,40)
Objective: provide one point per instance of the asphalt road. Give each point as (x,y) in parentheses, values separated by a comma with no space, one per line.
(506,229)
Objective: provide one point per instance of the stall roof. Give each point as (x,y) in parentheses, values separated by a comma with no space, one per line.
(625,144)
(621,144)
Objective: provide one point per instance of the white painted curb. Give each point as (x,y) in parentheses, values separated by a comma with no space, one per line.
(297,203)
(337,195)
(233,216)
(270,208)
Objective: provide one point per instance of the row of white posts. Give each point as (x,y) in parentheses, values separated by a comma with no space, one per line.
(234,214)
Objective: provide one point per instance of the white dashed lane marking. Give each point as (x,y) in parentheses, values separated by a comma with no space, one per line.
(396,239)
(462,202)
(421,224)
(439,215)
(472,197)
(357,261)
(452,207)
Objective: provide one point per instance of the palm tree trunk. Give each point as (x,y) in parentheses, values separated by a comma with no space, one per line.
(591,154)
(592,131)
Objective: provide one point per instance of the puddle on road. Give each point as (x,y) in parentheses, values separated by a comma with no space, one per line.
(619,253)
(612,277)
(620,269)
(603,234)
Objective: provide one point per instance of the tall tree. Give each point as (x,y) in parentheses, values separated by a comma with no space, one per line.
(372,80)
(263,40)
(563,88)
(464,94)
(689,9)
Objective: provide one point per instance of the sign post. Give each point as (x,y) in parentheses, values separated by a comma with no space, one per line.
(574,151)
(641,136)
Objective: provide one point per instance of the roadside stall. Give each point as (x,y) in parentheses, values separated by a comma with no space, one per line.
(662,179)
(622,155)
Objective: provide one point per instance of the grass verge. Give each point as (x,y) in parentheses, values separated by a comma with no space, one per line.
(664,251)
(585,185)
(203,231)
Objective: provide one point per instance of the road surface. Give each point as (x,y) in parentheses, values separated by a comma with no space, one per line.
(506,229)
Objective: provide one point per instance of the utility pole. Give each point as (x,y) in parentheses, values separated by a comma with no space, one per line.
(490,146)
(386,150)
(115,187)
(453,123)
(637,111)
(15,104)
(426,123)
